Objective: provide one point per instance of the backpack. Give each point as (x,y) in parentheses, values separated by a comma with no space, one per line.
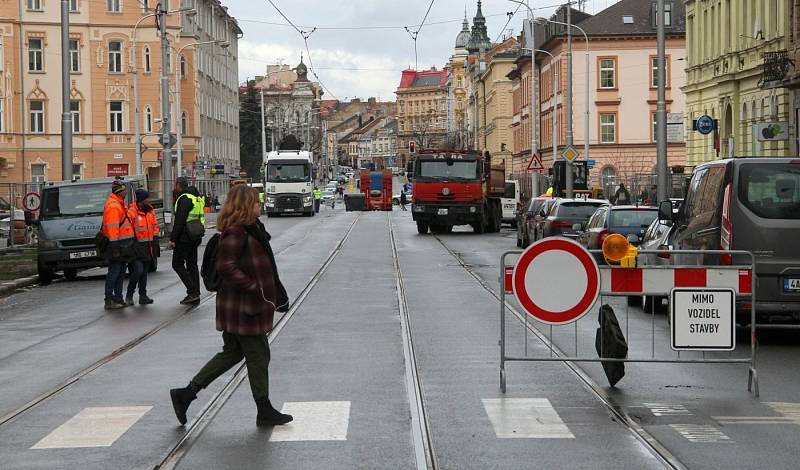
(208,269)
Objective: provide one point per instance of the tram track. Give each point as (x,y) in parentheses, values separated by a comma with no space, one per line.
(127,347)
(424,454)
(195,427)
(647,440)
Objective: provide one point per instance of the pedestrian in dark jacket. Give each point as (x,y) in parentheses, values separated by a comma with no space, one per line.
(403,200)
(246,304)
(622,196)
(184,257)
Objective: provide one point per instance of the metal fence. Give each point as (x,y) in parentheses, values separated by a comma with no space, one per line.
(14,197)
(738,277)
(210,188)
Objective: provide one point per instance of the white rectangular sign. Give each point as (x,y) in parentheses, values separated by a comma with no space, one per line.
(703,320)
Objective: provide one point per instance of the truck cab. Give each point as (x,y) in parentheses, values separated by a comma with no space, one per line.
(71,214)
(288,183)
(454,187)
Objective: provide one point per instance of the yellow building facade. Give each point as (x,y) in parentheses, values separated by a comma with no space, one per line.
(726,45)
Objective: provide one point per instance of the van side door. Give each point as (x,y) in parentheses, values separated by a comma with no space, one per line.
(699,224)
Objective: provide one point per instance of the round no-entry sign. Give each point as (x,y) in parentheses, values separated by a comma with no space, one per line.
(556,281)
(32,201)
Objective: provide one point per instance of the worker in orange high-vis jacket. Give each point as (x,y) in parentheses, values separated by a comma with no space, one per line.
(118,228)
(145,227)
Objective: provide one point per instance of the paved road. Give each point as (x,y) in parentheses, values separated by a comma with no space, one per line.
(388,359)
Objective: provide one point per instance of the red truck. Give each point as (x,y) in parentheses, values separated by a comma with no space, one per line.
(456,187)
(377,189)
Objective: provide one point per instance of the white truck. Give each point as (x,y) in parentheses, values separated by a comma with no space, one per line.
(288,183)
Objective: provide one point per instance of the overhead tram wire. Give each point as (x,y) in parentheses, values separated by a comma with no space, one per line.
(510,17)
(305,35)
(415,34)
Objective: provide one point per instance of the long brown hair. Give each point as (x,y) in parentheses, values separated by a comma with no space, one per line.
(238,208)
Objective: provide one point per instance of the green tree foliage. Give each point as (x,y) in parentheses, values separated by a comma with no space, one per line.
(250,131)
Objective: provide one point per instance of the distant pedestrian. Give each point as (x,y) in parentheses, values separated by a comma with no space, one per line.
(118,229)
(403,200)
(186,237)
(654,195)
(622,196)
(146,229)
(246,305)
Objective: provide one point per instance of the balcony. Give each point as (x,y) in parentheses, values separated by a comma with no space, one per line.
(776,69)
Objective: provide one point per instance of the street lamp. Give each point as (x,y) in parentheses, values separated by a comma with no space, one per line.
(586,95)
(134,71)
(178,112)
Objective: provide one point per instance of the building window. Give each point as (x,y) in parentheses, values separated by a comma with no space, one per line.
(654,71)
(75,109)
(115,116)
(114,6)
(77,171)
(35,55)
(667,14)
(37,117)
(148,120)
(35,5)
(38,172)
(184,123)
(147,68)
(655,126)
(73,6)
(74,56)
(183,67)
(2,113)
(608,73)
(608,128)
(115,56)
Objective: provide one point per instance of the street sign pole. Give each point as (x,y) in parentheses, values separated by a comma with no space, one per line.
(66,116)
(569,101)
(661,110)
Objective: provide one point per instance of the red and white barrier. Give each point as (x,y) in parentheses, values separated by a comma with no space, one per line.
(660,281)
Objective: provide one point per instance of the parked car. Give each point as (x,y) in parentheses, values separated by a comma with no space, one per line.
(658,237)
(630,221)
(328,196)
(527,218)
(536,225)
(750,204)
(566,213)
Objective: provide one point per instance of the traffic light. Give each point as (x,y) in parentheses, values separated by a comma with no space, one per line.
(412,146)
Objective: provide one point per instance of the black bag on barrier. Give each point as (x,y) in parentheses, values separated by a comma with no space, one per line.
(610,342)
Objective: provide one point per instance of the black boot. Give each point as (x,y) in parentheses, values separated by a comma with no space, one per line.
(181,398)
(269,416)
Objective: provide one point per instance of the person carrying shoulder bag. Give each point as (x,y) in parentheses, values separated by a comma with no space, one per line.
(246,305)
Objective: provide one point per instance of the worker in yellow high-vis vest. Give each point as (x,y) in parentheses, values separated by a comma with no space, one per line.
(187,232)
(317,198)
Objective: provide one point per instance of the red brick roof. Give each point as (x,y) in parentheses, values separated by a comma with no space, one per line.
(419,78)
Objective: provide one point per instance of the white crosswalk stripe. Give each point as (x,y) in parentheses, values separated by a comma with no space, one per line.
(702,433)
(532,418)
(93,427)
(314,421)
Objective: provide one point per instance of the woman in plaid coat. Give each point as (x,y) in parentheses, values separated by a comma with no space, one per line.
(245,305)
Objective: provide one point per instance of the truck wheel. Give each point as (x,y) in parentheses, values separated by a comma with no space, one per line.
(422,227)
(71,274)
(45,274)
(478,227)
(448,229)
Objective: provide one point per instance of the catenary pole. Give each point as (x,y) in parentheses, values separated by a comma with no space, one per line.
(66,115)
(166,155)
(568,165)
(661,110)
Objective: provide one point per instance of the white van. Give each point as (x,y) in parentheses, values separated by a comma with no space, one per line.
(510,201)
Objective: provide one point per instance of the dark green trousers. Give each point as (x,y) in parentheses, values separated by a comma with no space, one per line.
(253,349)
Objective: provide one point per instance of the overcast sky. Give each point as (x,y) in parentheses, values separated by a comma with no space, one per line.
(359,62)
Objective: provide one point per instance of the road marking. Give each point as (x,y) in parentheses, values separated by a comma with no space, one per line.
(788,410)
(532,418)
(667,409)
(93,427)
(702,433)
(314,421)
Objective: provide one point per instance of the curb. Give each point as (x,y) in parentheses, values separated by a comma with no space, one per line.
(9,287)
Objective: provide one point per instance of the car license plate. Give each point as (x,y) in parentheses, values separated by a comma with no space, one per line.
(443,212)
(791,285)
(288,210)
(82,254)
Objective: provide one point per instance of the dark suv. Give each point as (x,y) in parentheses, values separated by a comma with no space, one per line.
(750,204)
